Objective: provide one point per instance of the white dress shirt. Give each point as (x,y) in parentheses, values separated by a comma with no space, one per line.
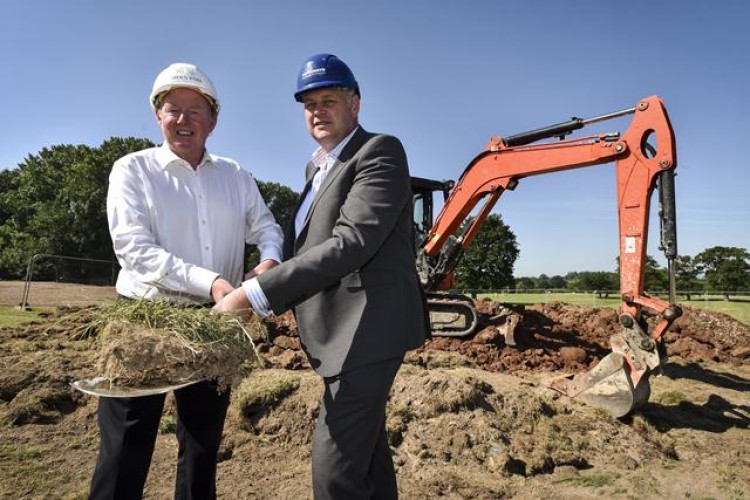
(175,229)
(324,161)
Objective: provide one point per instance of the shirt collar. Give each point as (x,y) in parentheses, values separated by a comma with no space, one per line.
(321,158)
(166,157)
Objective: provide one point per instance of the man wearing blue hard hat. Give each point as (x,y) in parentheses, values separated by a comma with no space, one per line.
(349,275)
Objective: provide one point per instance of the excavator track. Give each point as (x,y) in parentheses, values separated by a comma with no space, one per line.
(451,315)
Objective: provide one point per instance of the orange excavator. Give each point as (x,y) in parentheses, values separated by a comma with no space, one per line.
(645,159)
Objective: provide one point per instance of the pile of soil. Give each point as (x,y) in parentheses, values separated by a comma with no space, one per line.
(467,417)
(550,338)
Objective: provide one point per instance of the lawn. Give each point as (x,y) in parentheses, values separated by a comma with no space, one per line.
(14,316)
(738,307)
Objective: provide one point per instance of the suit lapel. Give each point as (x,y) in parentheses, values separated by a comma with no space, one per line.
(359,138)
(344,159)
(290,234)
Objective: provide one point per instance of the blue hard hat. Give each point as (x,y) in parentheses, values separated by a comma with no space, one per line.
(324,70)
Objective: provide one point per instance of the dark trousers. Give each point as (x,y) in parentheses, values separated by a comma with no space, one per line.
(128,428)
(351,458)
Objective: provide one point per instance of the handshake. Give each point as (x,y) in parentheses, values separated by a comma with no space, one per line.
(235,300)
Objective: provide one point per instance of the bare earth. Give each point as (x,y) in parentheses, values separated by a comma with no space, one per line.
(467,418)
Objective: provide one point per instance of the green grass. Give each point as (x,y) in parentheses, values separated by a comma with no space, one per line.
(738,307)
(582,299)
(591,480)
(14,316)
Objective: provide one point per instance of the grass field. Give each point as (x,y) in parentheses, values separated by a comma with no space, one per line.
(14,316)
(738,307)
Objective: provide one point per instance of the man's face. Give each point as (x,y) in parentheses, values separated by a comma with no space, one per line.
(330,115)
(186,119)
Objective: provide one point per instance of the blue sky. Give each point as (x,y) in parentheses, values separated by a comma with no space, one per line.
(443,76)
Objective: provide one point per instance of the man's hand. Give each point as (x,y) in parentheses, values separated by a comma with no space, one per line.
(220,288)
(261,268)
(234,302)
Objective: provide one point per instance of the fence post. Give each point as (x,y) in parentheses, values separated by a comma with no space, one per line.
(24,306)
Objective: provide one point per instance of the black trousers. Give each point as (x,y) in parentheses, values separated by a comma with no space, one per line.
(351,458)
(128,429)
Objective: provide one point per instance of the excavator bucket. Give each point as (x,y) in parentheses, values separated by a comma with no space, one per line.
(608,386)
(619,383)
(506,320)
(509,329)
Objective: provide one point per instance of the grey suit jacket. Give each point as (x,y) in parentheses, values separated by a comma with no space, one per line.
(350,274)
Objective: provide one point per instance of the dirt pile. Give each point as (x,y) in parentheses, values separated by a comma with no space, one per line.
(550,338)
(467,418)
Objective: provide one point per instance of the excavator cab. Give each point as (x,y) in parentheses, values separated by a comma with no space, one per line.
(451,314)
(425,194)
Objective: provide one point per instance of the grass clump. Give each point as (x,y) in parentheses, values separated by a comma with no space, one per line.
(145,343)
(592,480)
(671,398)
(257,393)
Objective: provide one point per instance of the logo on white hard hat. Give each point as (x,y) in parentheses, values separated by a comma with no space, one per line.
(183,75)
(186,73)
(187,79)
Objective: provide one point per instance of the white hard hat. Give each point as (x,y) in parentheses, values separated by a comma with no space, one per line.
(187,76)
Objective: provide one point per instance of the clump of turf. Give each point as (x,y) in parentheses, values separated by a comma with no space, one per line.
(145,343)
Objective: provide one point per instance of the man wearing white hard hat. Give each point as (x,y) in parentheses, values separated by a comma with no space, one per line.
(179,219)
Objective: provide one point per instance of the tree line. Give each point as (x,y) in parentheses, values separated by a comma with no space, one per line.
(717,270)
(489,260)
(54,203)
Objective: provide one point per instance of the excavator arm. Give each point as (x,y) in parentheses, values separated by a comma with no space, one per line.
(620,382)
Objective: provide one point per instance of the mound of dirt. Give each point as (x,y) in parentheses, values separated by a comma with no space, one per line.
(554,337)
(467,418)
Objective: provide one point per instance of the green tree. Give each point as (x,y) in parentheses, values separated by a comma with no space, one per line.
(571,278)
(281,200)
(601,282)
(557,282)
(7,185)
(525,283)
(489,259)
(656,278)
(58,206)
(542,282)
(725,269)
(686,275)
